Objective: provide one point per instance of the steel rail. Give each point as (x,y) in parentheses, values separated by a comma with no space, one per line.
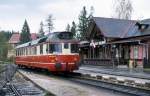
(15,91)
(101,83)
(108,85)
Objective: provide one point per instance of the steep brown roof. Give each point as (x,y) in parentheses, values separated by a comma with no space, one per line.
(15,38)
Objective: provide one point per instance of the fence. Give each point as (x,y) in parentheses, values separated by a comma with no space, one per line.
(106,62)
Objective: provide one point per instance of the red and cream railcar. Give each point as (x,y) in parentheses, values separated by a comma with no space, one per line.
(57,51)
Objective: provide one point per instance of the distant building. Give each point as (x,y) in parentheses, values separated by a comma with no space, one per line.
(14,41)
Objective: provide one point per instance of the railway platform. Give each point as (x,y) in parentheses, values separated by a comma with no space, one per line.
(121,74)
(135,73)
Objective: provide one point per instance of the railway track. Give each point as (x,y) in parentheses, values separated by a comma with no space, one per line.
(7,71)
(20,86)
(127,87)
(14,90)
(13,83)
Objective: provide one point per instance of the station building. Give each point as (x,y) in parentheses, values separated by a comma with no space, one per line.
(117,43)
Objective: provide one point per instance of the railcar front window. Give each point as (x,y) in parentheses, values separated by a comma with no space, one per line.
(66,45)
(74,48)
(66,36)
(55,48)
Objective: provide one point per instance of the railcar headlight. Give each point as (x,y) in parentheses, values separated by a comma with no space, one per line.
(56,59)
(75,59)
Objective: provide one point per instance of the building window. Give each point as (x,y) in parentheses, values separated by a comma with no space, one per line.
(135,52)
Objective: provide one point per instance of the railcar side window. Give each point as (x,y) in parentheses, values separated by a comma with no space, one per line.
(23,51)
(30,50)
(20,51)
(16,52)
(51,48)
(41,49)
(66,45)
(26,51)
(74,48)
(35,50)
(46,48)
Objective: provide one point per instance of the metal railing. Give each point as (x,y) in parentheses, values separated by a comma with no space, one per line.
(105,62)
(3,62)
(99,62)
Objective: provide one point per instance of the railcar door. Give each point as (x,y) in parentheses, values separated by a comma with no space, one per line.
(66,51)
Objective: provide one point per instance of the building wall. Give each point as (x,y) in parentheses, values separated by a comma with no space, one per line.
(11,51)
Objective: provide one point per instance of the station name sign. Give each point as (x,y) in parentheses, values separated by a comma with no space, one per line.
(97,43)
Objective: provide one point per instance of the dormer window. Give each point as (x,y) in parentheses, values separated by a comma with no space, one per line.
(142,27)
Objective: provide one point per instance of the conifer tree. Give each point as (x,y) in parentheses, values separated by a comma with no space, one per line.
(25,33)
(68,28)
(74,29)
(84,20)
(50,24)
(41,31)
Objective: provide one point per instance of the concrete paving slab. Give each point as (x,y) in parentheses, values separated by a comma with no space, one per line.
(138,73)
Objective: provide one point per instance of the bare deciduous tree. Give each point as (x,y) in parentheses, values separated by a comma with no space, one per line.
(122,9)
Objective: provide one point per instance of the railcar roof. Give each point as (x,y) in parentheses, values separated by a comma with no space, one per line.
(23,45)
(33,42)
(57,36)
(40,40)
(52,37)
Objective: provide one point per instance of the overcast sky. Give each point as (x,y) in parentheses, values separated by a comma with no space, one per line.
(14,12)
